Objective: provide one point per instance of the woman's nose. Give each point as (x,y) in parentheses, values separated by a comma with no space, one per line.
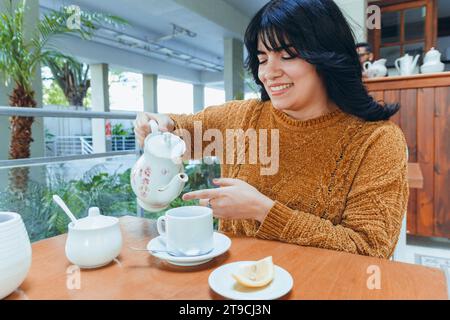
(272,71)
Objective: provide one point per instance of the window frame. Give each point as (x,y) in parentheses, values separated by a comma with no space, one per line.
(430,32)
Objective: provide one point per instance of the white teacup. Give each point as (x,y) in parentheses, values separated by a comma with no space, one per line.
(187,231)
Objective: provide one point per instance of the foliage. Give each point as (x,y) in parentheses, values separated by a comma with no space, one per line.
(118,130)
(70,75)
(53,95)
(20,55)
(87,102)
(112,193)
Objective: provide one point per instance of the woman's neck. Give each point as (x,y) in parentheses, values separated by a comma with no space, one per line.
(312,111)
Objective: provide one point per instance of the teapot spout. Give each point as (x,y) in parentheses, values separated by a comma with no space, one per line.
(168,193)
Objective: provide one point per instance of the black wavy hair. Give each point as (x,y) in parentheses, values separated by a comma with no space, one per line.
(316,31)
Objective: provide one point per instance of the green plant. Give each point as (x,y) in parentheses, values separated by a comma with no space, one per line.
(118,130)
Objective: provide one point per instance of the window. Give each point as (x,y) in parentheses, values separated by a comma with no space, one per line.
(406,27)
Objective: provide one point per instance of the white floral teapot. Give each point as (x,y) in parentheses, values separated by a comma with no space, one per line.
(158,176)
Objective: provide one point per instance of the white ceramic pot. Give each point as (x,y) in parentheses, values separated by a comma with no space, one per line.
(93,241)
(432,67)
(15,253)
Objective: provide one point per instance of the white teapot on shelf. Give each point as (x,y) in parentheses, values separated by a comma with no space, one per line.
(432,62)
(407,64)
(375,69)
(158,176)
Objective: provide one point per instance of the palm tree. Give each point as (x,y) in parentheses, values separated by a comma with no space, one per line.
(71,76)
(20,58)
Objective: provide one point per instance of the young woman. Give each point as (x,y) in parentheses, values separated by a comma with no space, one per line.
(341,182)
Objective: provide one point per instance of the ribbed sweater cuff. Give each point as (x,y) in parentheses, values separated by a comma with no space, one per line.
(276,220)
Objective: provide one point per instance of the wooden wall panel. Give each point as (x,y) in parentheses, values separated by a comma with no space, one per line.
(393,96)
(378,96)
(442,163)
(425,156)
(408,120)
(424,118)
(408,117)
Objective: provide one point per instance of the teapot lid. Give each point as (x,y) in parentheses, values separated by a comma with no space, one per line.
(165,145)
(94,220)
(432,51)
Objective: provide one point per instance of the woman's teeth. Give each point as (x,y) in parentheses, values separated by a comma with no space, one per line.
(279,88)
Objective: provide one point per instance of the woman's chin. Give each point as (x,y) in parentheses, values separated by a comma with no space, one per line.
(279,105)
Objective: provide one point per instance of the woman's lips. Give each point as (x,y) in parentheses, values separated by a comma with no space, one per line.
(280,90)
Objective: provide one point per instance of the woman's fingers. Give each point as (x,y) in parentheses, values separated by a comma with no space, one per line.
(142,126)
(203,194)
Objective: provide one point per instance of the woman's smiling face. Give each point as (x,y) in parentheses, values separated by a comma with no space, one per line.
(291,82)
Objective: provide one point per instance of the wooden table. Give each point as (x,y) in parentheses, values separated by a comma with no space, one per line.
(317,273)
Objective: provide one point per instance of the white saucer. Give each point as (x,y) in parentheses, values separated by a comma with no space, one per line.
(221,244)
(223,283)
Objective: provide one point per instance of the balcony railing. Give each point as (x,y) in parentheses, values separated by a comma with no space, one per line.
(82,180)
(82,145)
(60,155)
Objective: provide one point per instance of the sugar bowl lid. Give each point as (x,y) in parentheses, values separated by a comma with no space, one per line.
(95,220)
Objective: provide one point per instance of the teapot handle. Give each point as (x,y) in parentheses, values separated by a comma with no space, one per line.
(397,65)
(367,65)
(154,126)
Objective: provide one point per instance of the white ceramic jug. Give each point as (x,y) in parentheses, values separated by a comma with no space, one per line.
(376,69)
(406,65)
(158,176)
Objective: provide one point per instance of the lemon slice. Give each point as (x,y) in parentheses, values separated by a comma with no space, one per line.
(254,275)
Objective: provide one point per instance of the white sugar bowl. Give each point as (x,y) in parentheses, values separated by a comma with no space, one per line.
(93,241)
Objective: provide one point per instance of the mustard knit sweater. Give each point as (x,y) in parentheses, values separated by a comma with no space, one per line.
(341,183)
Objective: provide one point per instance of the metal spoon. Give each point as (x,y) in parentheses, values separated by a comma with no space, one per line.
(170,253)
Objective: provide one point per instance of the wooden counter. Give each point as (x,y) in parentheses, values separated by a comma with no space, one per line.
(425,120)
(317,273)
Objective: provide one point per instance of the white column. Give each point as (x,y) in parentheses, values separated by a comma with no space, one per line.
(150,92)
(100,103)
(234,69)
(199,97)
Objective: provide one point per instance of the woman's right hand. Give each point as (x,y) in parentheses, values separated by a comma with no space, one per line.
(142,125)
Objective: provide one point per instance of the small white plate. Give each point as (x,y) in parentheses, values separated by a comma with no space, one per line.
(221,244)
(223,283)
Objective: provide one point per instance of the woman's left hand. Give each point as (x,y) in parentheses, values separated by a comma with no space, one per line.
(235,199)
